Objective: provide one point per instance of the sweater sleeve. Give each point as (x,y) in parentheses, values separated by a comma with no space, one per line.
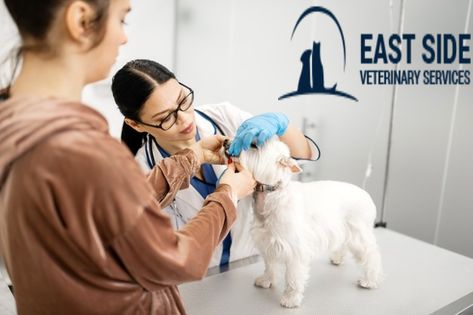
(157,256)
(107,204)
(173,174)
(153,253)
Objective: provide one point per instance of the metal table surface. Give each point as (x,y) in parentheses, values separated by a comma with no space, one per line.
(420,279)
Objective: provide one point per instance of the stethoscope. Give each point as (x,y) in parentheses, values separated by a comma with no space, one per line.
(227,242)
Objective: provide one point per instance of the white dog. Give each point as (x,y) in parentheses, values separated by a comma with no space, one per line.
(295,221)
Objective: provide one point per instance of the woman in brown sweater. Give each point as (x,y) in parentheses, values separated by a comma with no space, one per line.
(81,228)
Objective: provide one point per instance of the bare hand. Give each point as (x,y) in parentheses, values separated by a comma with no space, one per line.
(210,149)
(242,183)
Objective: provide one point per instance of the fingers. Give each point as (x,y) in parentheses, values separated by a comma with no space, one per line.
(262,137)
(251,178)
(216,141)
(212,142)
(235,147)
(231,167)
(253,184)
(219,159)
(248,137)
(212,149)
(243,138)
(238,167)
(221,139)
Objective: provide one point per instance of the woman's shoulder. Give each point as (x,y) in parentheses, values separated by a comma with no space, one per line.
(88,148)
(226,115)
(52,129)
(90,169)
(218,109)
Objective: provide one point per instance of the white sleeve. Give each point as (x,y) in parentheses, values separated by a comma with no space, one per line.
(230,117)
(140,157)
(227,116)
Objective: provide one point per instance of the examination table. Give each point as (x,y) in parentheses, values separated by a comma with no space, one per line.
(420,279)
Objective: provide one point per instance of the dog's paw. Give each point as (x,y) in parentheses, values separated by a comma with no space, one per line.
(368,284)
(291,300)
(336,260)
(263,281)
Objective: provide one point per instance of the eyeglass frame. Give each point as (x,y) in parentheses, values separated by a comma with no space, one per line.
(174,112)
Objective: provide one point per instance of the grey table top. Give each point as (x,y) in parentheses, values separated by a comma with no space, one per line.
(420,279)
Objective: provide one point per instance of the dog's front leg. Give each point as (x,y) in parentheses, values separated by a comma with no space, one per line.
(297,273)
(267,278)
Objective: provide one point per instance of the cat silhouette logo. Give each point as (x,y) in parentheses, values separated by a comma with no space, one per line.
(311,79)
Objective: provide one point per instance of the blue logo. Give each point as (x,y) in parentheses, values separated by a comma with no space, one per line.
(311,79)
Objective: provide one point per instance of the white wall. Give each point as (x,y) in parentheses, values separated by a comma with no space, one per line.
(240,51)
(431,178)
(151,34)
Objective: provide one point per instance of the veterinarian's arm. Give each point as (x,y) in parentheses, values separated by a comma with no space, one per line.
(298,144)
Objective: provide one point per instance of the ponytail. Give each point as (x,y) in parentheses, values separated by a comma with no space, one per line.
(132,85)
(132,138)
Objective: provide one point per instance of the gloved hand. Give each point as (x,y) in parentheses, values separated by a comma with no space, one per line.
(260,127)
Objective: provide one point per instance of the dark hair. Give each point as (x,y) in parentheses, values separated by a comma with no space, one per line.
(132,85)
(34,18)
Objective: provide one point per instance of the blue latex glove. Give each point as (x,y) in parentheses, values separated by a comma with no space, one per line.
(261,128)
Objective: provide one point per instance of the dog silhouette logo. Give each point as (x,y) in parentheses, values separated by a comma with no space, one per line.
(311,79)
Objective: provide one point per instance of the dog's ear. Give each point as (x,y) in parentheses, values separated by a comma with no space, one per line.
(290,163)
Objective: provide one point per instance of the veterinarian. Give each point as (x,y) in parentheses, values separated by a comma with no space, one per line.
(160,120)
(81,228)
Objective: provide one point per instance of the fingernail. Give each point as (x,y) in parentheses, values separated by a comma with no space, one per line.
(230,161)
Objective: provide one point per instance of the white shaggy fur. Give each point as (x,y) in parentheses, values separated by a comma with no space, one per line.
(301,220)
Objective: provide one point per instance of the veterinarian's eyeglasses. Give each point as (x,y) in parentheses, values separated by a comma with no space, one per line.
(167,122)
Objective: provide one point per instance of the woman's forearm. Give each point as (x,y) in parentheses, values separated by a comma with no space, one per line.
(173,174)
(297,143)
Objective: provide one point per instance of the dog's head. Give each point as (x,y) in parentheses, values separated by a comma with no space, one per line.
(271,163)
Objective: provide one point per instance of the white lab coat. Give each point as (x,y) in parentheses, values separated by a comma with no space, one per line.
(188,201)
